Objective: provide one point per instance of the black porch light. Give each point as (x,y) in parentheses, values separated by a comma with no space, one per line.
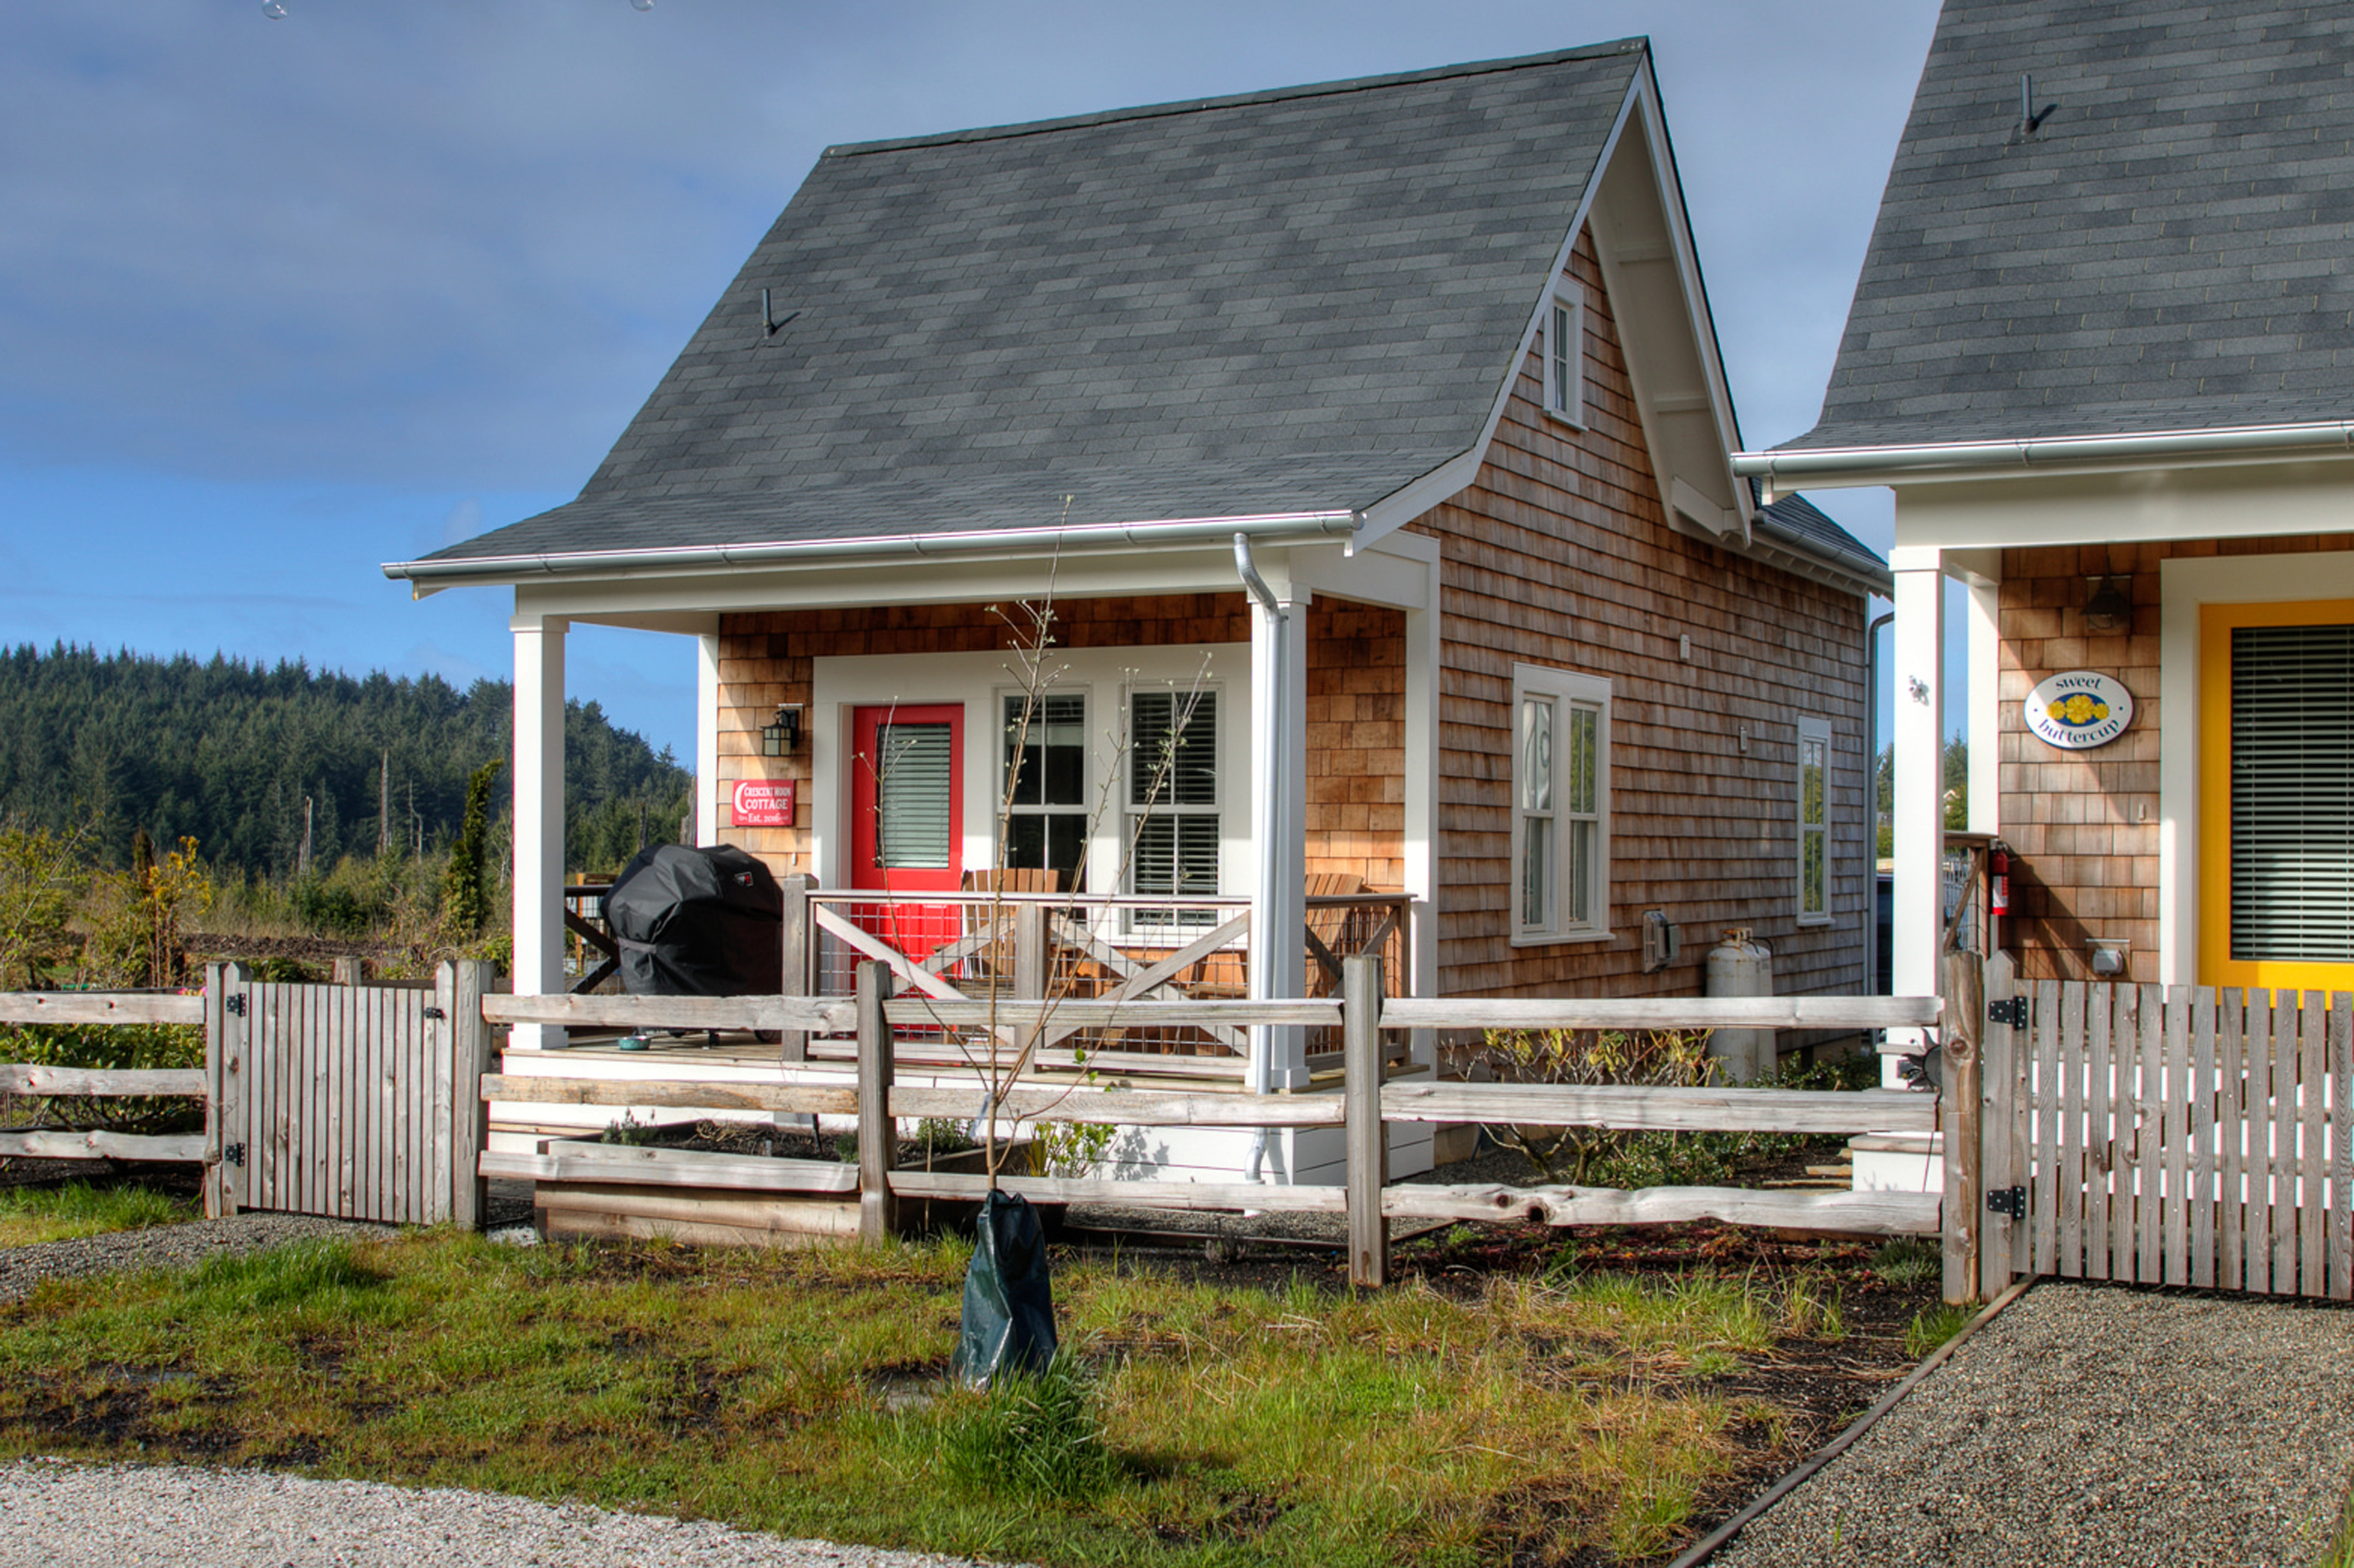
(2108,603)
(782,736)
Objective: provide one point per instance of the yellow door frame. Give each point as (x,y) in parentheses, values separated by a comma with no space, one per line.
(2216,965)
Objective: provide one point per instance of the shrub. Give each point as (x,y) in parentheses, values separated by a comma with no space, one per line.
(1934,1326)
(1667,1058)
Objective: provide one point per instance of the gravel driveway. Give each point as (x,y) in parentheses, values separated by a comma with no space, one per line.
(55,1515)
(2095,1425)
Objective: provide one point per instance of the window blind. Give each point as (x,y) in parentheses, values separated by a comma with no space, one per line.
(911,798)
(2292,793)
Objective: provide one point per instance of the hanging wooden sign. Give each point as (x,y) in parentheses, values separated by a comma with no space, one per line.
(2078,710)
(764,803)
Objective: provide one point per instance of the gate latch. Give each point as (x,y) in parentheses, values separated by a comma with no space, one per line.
(234,1154)
(2013,1013)
(435,1013)
(2011,1200)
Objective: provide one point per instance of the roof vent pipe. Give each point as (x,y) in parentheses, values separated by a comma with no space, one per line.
(2027,118)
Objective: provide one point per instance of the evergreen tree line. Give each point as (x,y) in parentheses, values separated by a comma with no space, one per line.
(228,752)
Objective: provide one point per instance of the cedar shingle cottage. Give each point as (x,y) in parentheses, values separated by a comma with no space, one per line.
(1435,348)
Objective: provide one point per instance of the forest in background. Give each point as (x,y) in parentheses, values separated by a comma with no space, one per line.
(225,752)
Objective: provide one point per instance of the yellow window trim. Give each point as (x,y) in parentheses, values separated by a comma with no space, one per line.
(2216,965)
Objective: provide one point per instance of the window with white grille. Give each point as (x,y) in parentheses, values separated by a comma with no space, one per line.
(1560,805)
(1814,822)
(1172,792)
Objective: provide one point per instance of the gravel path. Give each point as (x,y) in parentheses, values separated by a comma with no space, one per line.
(164,1246)
(55,1515)
(2095,1427)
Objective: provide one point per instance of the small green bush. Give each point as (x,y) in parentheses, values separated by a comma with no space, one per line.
(1908,1260)
(1028,1436)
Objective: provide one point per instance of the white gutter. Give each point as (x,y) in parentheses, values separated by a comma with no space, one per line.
(1174,531)
(1789,470)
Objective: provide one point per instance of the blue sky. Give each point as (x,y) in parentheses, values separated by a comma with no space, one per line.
(281,299)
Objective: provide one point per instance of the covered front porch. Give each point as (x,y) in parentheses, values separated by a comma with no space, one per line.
(1207,773)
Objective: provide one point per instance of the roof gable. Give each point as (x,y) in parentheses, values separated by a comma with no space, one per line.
(2171,248)
(1287,302)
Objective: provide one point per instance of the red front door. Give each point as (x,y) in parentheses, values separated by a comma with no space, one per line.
(907,824)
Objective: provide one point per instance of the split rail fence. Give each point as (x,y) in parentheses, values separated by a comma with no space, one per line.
(1370,1102)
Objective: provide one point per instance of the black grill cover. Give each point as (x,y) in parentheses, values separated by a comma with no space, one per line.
(698,922)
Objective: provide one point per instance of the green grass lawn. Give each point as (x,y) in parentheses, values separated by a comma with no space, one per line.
(800,1392)
(30,1214)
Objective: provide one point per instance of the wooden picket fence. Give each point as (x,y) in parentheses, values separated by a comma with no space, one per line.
(2184,1136)
(353,1101)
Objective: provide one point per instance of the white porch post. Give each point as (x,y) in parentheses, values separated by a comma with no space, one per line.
(1918,809)
(706,740)
(1421,805)
(1985,727)
(538,819)
(1278,829)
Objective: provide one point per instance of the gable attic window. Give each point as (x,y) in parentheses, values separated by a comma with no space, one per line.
(1560,806)
(1564,353)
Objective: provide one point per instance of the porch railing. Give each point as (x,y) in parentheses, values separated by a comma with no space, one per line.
(979,947)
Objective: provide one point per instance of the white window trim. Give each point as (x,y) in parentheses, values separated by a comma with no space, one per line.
(1570,295)
(1590,691)
(1818,730)
(998,698)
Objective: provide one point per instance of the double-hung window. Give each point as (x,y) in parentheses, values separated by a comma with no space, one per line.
(1814,822)
(1564,353)
(1045,784)
(1560,805)
(1172,792)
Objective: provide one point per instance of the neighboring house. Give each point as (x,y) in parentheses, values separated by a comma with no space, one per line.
(1431,351)
(2103,350)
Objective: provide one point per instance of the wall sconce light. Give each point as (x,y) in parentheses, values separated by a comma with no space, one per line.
(2108,604)
(782,737)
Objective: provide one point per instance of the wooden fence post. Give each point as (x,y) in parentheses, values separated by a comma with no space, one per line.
(879,1136)
(351,971)
(795,940)
(224,1080)
(1964,1212)
(1367,1134)
(459,987)
(2001,1110)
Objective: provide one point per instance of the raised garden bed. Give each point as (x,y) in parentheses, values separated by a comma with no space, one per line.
(724,1183)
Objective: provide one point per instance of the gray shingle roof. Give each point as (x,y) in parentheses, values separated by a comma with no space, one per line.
(1795,521)
(2172,248)
(1290,301)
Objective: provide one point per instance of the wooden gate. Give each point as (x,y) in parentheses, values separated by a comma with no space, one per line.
(2163,1136)
(358,1102)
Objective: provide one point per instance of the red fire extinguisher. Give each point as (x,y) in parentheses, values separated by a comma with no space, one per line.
(1998,881)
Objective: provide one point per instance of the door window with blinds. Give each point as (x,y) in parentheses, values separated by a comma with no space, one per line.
(2277,796)
(914,817)
(1045,785)
(1561,790)
(1172,797)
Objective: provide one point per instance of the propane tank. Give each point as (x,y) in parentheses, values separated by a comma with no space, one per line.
(1740,965)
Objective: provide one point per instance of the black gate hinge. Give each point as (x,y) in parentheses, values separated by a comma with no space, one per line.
(2011,1200)
(435,1013)
(234,1153)
(234,1002)
(2013,1013)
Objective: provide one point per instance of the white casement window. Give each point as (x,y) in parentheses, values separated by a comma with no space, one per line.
(1560,805)
(1045,783)
(1814,822)
(1172,796)
(1564,353)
